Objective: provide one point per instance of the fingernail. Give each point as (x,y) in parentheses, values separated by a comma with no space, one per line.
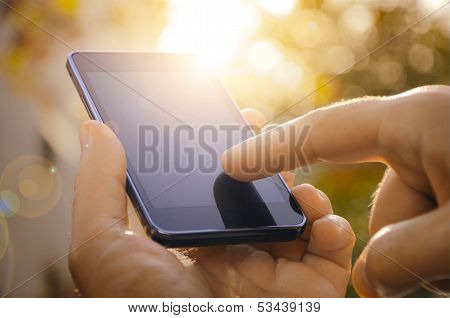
(322,194)
(84,137)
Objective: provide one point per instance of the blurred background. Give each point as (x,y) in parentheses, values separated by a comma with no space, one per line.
(268,53)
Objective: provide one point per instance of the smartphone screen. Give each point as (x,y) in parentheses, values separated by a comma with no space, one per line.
(175,120)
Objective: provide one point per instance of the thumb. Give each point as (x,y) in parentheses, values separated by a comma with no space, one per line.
(402,256)
(100,199)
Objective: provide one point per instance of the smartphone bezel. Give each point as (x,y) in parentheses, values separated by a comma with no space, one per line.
(180,238)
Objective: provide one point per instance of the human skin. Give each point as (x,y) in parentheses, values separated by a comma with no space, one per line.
(108,260)
(410,217)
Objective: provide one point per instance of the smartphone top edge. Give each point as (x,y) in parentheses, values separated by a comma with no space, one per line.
(71,54)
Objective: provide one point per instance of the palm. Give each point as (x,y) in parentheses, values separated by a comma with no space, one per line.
(253,271)
(135,266)
(225,271)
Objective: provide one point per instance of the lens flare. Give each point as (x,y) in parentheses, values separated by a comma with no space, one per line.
(31,187)
(27,188)
(278,8)
(288,74)
(357,21)
(263,56)
(213,30)
(339,59)
(313,28)
(421,58)
(9,203)
(29,178)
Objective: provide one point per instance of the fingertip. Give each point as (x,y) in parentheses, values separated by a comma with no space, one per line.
(97,139)
(313,202)
(98,128)
(360,281)
(84,134)
(332,233)
(232,160)
(91,130)
(92,125)
(254,117)
(288,177)
(100,183)
(226,162)
(102,160)
(332,238)
(304,190)
(89,123)
(234,165)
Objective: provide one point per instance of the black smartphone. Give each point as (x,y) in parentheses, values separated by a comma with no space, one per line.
(174,120)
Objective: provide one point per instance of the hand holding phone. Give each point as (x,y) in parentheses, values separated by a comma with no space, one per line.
(174,120)
(108,260)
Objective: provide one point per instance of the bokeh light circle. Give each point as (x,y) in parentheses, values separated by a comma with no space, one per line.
(35,182)
(30,186)
(421,58)
(9,203)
